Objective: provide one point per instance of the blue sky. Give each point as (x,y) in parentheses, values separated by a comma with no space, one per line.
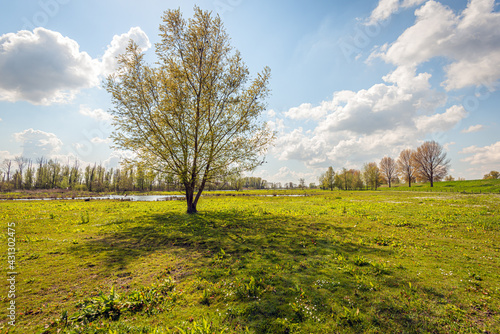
(352,81)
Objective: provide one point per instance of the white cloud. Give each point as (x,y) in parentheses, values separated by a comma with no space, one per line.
(473,128)
(116,157)
(295,145)
(97,114)
(304,111)
(119,45)
(441,122)
(276,125)
(362,126)
(37,143)
(386,8)
(271,113)
(469,40)
(44,67)
(486,156)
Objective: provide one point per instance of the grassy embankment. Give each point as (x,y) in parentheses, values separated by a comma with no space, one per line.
(469,186)
(372,262)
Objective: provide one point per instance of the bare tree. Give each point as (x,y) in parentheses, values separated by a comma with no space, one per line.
(387,168)
(405,165)
(430,162)
(21,163)
(7,166)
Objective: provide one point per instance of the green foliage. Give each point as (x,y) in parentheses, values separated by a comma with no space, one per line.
(147,300)
(249,288)
(106,306)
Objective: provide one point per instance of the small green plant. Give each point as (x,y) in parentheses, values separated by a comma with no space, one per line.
(361,261)
(379,268)
(251,289)
(220,259)
(350,317)
(149,299)
(84,219)
(205,298)
(111,306)
(106,306)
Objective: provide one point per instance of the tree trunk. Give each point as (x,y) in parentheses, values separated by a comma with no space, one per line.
(191,204)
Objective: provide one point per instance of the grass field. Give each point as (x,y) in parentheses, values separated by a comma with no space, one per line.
(333,262)
(468,186)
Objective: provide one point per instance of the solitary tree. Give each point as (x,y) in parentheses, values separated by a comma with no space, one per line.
(387,168)
(430,162)
(196,114)
(405,165)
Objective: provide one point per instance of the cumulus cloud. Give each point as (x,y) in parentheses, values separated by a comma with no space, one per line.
(37,143)
(486,156)
(307,111)
(473,128)
(469,40)
(370,123)
(119,45)
(441,122)
(44,67)
(296,145)
(386,8)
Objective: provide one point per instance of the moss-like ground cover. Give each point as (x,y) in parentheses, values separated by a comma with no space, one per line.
(334,262)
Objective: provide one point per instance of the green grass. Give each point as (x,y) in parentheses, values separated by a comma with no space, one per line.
(469,186)
(334,262)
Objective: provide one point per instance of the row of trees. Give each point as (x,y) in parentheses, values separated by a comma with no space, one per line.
(21,173)
(25,174)
(427,163)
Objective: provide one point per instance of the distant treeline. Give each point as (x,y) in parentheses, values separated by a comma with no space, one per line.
(25,174)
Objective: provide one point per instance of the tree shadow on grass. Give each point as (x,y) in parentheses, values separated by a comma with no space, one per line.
(284,250)
(236,232)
